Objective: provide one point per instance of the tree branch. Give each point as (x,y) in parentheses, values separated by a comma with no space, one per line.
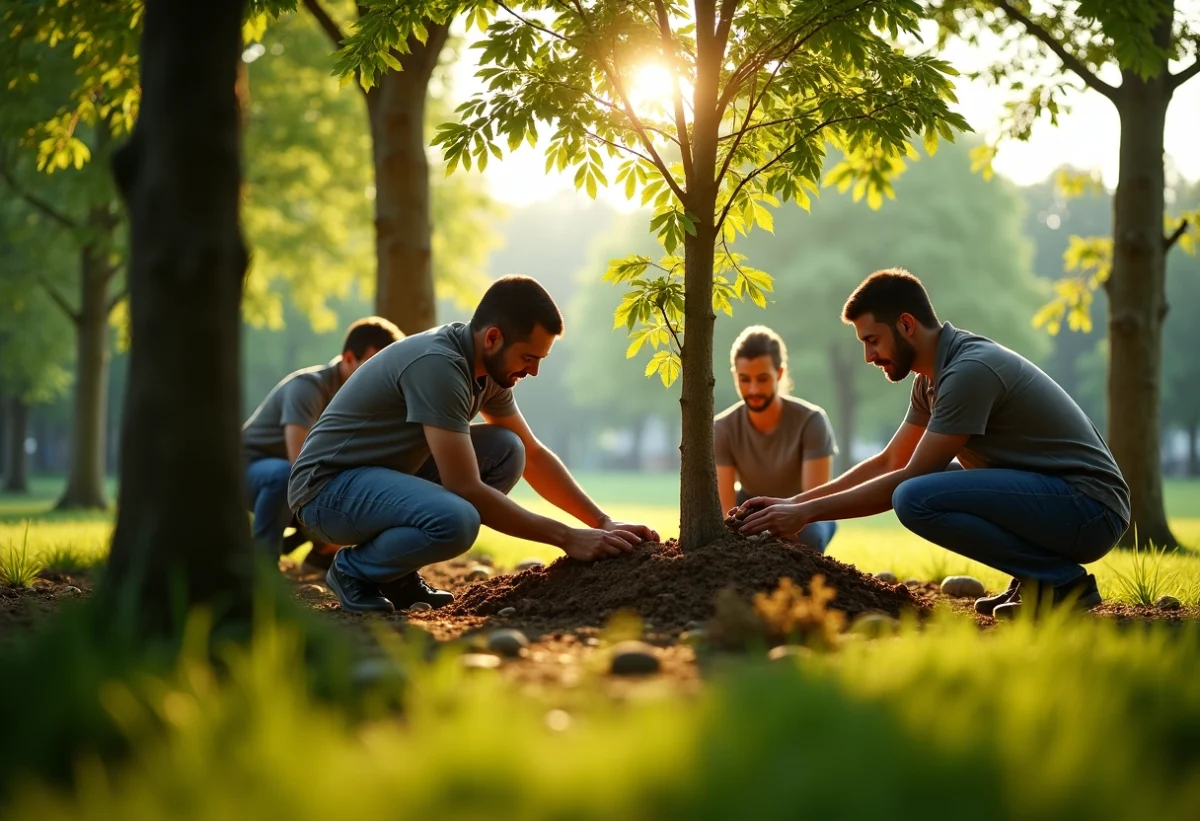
(633,151)
(664,30)
(1175,235)
(58,298)
(671,328)
(333,30)
(534,25)
(1184,75)
(1070,61)
(724,22)
(38,203)
(117,298)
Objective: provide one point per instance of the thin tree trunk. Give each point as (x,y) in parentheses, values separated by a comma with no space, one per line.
(1138,306)
(3,431)
(840,367)
(404,291)
(16,472)
(85,475)
(181,537)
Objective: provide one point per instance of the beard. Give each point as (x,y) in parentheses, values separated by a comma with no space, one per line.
(494,365)
(900,366)
(758,404)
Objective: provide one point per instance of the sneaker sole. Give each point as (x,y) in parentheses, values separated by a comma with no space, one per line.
(331,580)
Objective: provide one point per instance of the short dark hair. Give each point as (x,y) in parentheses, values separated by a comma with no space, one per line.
(516,304)
(370,332)
(759,340)
(886,295)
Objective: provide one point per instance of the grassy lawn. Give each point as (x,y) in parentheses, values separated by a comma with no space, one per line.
(874,544)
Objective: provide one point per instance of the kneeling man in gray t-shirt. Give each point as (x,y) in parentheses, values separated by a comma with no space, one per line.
(770,443)
(1040,493)
(395,469)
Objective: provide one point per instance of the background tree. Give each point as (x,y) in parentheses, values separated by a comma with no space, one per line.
(1062,44)
(35,338)
(70,91)
(1181,338)
(768,86)
(181,537)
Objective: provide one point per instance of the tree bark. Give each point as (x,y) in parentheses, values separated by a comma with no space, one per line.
(404,291)
(843,384)
(16,470)
(85,475)
(181,537)
(1138,305)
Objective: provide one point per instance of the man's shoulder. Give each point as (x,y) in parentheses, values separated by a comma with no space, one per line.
(730,416)
(434,344)
(801,408)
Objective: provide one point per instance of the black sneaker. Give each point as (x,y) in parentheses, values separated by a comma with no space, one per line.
(987,605)
(1080,594)
(410,589)
(357,595)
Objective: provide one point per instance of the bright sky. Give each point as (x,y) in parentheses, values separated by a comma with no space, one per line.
(1087,137)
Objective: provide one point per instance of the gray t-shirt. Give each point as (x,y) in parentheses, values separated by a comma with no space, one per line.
(376,419)
(769,464)
(1017,417)
(297,399)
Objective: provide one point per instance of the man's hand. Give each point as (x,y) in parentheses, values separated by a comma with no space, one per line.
(588,544)
(644,533)
(757,503)
(780,520)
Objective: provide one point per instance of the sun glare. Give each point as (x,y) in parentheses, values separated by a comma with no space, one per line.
(652,88)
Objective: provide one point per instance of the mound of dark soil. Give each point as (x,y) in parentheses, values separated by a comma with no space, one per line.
(672,588)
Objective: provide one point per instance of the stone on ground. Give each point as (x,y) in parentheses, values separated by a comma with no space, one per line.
(479,661)
(789,651)
(312,591)
(634,658)
(874,625)
(1168,603)
(478,573)
(963,587)
(529,564)
(886,576)
(912,583)
(507,611)
(506,642)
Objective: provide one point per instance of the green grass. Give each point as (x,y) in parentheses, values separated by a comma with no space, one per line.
(1091,723)
(873,544)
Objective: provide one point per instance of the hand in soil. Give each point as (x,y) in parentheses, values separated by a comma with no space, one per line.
(588,544)
(780,520)
(643,532)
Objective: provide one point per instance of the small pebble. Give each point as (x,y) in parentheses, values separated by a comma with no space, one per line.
(483,559)
(788,651)
(634,658)
(420,607)
(507,611)
(911,583)
(874,625)
(372,670)
(478,573)
(73,591)
(313,591)
(479,661)
(886,576)
(1168,603)
(962,587)
(529,564)
(507,642)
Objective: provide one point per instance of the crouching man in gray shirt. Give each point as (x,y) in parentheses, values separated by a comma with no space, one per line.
(1040,494)
(396,470)
(272,436)
(771,443)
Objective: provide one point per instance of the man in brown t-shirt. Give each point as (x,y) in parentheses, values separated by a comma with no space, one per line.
(1040,493)
(770,443)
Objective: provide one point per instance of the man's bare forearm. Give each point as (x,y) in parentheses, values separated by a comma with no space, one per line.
(549,477)
(501,513)
(864,471)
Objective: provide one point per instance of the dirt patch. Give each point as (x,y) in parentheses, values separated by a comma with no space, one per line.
(22,608)
(672,589)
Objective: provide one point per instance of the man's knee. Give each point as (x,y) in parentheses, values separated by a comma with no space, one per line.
(501,455)
(455,525)
(908,501)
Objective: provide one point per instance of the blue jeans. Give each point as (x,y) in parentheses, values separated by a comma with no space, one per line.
(396,522)
(266,496)
(1029,525)
(817,535)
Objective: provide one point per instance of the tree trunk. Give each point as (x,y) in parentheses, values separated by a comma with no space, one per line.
(1138,306)
(840,367)
(85,475)
(16,472)
(181,537)
(404,291)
